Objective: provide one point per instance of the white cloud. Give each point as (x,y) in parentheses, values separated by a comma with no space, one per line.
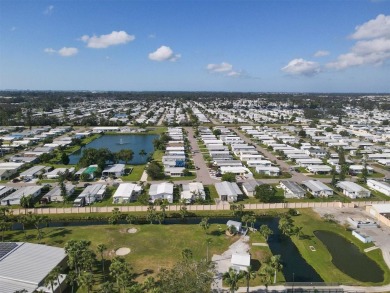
(104,41)
(152,36)
(13,29)
(321,53)
(300,66)
(67,52)
(372,47)
(164,53)
(64,52)
(374,28)
(49,50)
(49,10)
(225,69)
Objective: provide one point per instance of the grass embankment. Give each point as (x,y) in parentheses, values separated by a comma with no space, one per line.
(321,259)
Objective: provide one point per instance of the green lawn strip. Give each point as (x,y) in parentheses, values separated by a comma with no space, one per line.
(213,191)
(135,174)
(153,247)
(321,259)
(376,175)
(157,155)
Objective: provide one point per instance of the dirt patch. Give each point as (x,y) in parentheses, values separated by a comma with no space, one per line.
(132,230)
(122,251)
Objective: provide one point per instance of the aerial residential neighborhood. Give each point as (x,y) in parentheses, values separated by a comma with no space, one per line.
(195,167)
(194,146)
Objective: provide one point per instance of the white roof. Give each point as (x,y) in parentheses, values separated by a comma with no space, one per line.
(227,188)
(161,188)
(10,165)
(27,264)
(93,190)
(116,168)
(241,259)
(126,190)
(24,191)
(351,186)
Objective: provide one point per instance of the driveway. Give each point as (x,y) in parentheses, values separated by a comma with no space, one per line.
(222,262)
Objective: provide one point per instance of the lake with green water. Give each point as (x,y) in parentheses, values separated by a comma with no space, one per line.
(347,257)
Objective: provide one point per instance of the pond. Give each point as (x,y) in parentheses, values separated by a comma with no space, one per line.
(115,143)
(347,257)
(295,268)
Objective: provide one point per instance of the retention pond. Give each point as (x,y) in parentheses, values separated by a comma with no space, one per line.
(115,143)
(347,257)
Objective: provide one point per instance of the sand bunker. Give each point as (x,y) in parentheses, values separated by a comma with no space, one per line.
(122,251)
(132,230)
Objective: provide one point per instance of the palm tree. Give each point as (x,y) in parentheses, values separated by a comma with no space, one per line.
(208,242)
(252,220)
(163,206)
(151,214)
(50,279)
(23,220)
(86,280)
(4,226)
(126,155)
(71,279)
(265,231)
(266,272)
(57,273)
(205,224)
(149,284)
(186,253)
(245,219)
(249,274)
(275,263)
(37,221)
(101,248)
(232,277)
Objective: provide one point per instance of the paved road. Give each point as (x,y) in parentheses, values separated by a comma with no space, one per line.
(298,177)
(160,121)
(202,175)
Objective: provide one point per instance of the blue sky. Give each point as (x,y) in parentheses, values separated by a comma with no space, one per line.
(278,46)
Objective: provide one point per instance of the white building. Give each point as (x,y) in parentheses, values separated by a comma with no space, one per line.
(317,188)
(353,190)
(192,191)
(240,262)
(381,187)
(15,197)
(114,170)
(126,193)
(228,191)
(162,190)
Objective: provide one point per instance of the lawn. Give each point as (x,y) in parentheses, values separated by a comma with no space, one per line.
(153,247)
(157,155)
(135,174)
(321,259)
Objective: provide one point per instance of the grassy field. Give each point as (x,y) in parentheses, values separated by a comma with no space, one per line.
(153,247)
(136,174)
(321,259)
